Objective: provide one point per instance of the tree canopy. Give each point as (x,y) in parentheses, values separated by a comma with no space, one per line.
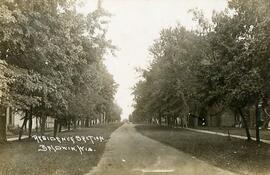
(224,62)
(55,59)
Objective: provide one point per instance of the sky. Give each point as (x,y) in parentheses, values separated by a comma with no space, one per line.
(134,26)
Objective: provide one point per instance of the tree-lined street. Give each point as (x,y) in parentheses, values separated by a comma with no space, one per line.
(198,73)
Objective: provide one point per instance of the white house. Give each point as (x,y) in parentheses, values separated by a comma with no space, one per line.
(15,119)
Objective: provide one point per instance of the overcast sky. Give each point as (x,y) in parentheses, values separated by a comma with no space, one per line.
(134,26)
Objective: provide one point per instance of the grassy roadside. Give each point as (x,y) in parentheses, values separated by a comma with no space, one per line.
(22,157)
(234,154)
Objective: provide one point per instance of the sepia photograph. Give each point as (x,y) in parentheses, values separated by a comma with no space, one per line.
(134,87)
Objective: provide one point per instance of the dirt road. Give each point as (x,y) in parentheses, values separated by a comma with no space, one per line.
(130,153)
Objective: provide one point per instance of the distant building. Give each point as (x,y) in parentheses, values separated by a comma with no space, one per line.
(224,117)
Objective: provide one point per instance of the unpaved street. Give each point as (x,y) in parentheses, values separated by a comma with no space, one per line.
(130,153)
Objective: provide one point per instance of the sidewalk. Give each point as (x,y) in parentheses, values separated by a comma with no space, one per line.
(16,137)
(226,134)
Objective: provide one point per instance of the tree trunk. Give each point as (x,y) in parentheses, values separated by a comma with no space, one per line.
(182,122)
(23,125)
(87,123)
(74,124)
(245,124)
(169,121)
(104,118)
(100,119)
(159,119)
(175,121)
(257,112)
(68,125)
(60,126)
(30,125)
(43,124)
(24,128)
(266,122)
(82,123)
(36,125)
(55,127)
(3,124)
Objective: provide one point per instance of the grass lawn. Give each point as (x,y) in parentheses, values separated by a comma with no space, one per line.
(22,157)
(233,154)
